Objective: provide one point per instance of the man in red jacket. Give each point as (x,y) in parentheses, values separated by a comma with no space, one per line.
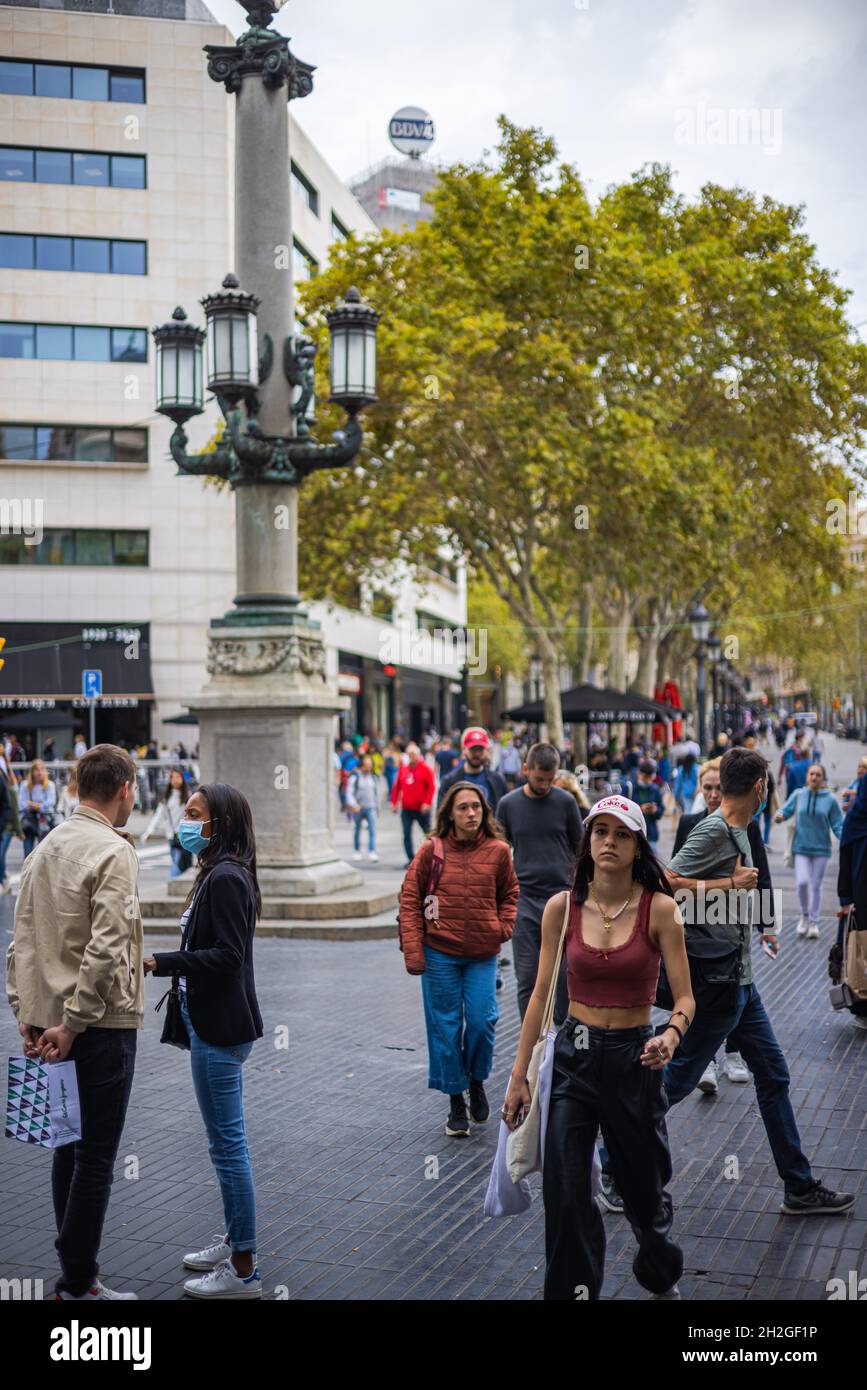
(414,789)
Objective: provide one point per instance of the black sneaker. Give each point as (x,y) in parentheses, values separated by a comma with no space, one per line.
(479,1108)
(609,1197)
(499,980)
(458,1123)
(819,1201)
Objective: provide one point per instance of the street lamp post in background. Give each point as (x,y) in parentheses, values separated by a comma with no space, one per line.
(699,621)
(266,715)
(714,647)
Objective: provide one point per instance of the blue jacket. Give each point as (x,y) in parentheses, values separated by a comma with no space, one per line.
(816,815)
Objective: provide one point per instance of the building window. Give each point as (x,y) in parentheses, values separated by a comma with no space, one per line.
(338,231)
(428,622)
(23,164)
(382,606)
(64,342)
(21,251)
(80,81)
(68,547)
(73,443)
(304,190)
(304,265)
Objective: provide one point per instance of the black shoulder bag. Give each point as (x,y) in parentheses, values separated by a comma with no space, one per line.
(715,968)
(174,1028)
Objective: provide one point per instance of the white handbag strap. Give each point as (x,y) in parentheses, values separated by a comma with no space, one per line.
(548,1016)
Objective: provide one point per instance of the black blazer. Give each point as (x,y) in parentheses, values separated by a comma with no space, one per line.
(687,824)
(218,959)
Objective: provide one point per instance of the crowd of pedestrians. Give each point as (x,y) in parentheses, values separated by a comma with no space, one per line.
(524,854)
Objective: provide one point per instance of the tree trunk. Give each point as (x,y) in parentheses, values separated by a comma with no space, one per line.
(585,636)
(551,675)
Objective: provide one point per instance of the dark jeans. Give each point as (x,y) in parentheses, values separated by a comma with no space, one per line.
(82,1173)
(526,945)
(406,820)
(601,1082)
(750,1033)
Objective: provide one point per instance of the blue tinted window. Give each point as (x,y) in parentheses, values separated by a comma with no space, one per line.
(17,442)
(53,166)
(127,171)
(92,253)
(54,341)
(129,345)
(53,80)
(127,86)
(17,339)
(90,84)
(16,164)
(16,252)
(91,169)
(92,344)
(16,78)
(128,258)
(53,253)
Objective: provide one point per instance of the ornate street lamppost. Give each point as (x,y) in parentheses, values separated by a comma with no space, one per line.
(266,715)
(714,646)
(699,621)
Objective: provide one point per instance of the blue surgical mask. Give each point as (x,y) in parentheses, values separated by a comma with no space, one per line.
(191,837)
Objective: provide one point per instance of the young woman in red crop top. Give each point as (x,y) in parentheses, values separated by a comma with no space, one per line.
(607,1059)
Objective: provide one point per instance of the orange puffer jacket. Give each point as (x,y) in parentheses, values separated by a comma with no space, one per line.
(474,904)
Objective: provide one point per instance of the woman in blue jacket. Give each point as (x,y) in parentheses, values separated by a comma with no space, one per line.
(816,814)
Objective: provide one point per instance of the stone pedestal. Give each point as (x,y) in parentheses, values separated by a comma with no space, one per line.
(266,725)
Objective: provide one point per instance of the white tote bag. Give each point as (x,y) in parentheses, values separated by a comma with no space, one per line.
(42,1105)
(525,1145)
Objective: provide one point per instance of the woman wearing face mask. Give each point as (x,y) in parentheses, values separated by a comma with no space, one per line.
(817,816)
(451,934)
(219,1008)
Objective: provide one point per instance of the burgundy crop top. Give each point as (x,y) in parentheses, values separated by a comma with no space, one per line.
(624,977)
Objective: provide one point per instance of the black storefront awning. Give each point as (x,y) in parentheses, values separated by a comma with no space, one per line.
(45,661)
(590,704)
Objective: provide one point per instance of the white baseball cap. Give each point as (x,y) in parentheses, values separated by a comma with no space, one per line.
(629,812)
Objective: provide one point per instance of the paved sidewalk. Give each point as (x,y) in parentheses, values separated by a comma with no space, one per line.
(361,1195)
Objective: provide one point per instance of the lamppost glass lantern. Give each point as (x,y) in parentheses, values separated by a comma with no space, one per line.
(714,646)
(233,356)
(353,352)
(699,621)
(179,368)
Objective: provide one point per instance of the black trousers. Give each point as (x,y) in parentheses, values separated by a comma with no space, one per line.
(406,820)
(526,946)
(82,1172)
(599,1081)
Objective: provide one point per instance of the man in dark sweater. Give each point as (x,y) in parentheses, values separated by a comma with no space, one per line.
(543,826)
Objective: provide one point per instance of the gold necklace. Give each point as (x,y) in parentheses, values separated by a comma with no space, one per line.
(606,919)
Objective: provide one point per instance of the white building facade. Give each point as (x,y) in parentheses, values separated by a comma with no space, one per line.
(116,182)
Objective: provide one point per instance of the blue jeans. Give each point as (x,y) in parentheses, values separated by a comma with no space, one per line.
(218,1084)
(175,871)
(367,813)
(5,841)
(750,1033)
(460,1012)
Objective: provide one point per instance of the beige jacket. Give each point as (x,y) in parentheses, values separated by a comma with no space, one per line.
(76,957)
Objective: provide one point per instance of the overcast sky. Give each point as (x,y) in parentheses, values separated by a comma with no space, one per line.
(617,83)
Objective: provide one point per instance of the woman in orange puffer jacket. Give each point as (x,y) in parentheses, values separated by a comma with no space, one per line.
(457,907)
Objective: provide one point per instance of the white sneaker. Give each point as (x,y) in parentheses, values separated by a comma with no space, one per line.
(209,1257)
(801,928)
(96,1292)
(357,854)
(373,857)
(859,1020)
(813,931)
(674,1292)
(709,1081)
(736,1068)
(223,1282)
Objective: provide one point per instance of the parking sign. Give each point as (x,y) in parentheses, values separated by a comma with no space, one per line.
(91,684)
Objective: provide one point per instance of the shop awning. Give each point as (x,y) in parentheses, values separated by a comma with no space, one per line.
(591,704)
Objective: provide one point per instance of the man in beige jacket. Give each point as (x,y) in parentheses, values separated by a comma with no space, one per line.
(75,982)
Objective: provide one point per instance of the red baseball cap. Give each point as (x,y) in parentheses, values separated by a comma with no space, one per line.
(471,737)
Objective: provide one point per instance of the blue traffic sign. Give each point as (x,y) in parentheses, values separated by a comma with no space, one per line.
(91,684)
